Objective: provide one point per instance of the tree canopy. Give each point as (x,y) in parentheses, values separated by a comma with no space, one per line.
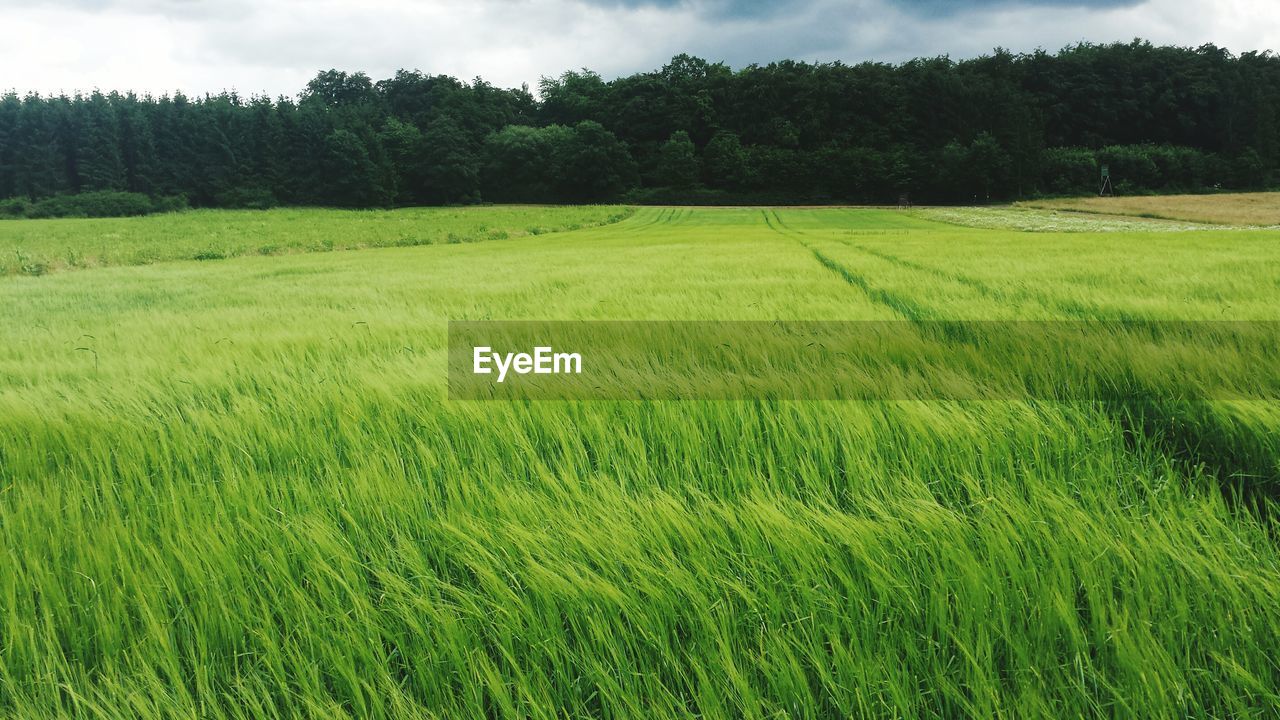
(996,127)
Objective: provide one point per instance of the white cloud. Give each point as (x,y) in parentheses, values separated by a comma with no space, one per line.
(275,46)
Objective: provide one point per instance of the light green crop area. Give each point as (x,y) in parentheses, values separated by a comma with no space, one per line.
(237,489)
(37,247)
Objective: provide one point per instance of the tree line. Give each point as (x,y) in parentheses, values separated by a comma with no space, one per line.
(996,127)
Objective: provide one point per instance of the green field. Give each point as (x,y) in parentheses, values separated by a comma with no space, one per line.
(40,247)
(234,487)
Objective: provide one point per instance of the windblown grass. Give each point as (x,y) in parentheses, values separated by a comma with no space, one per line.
(235,489)
(36,247)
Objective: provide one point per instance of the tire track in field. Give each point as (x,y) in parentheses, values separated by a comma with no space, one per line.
(648,221)
(1172,427)
(903,306)
(655,219)
(1178,429)
(644,221)
(1175,430)
(1074,309)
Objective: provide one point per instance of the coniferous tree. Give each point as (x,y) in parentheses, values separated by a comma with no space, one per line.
(995,127)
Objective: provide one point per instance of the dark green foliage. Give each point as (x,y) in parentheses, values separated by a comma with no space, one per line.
(248,198)
(525,164)
(14,207)
(582,163)
(1250,170)
(677,162)
(349,175)
(407,155)
(1166,119)
(450,164)
(595,165)
(99,203)
(724,163)
(974,171)
(1069,171)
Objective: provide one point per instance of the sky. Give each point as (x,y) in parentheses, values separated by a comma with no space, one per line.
(272,47)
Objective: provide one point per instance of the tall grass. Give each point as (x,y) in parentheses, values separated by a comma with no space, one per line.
(248,497)
(36,247)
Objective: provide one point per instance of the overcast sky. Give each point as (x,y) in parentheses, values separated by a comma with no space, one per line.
(274,46)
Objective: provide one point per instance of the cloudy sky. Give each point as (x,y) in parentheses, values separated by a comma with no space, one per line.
(273,46)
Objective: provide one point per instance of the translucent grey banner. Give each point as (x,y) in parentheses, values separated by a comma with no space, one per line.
(863,360)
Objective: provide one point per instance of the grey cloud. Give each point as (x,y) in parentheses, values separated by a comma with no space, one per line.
(275,46)
(763,8)
(953,7)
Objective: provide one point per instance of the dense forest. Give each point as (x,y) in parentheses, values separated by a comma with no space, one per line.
(996,127)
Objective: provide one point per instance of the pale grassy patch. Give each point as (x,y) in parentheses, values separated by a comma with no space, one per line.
(1253,209)
(1027,219)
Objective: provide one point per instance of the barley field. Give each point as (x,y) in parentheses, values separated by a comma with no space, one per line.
(43,246)
(235,487)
